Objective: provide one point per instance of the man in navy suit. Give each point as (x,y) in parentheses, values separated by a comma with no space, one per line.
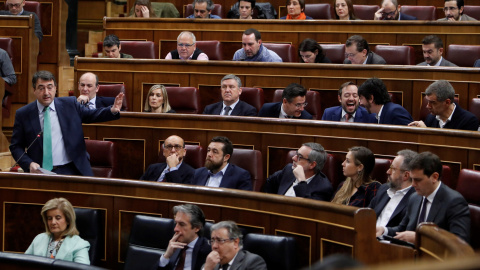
(391,11)
(292,105)
(88,87)
(433,202)
(188,239)
(218,172)
(444,113)
(303,178)
(231,104)
(349,111)
(15,7)
(375,98)
(390,203)
(68,151)
(174,170)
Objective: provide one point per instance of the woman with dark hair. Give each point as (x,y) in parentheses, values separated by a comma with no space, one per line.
(143,9)
(310,51)
(344,10)
(296,10)
(359,188)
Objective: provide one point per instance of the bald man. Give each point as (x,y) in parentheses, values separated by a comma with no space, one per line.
(88,88)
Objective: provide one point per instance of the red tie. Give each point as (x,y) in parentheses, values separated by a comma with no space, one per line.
(347,117)
(181,260)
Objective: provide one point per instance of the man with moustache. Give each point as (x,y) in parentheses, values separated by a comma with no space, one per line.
(88,87)
(390,203)
(174,170)
(454,11)
(292,105)
(349,111)
(432,47)
(188,248)
(218,172)
(227,253)
(303,178)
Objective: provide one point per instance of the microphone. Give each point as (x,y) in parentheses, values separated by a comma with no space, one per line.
(26,150)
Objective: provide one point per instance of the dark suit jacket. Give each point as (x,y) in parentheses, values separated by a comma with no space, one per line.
(477,63)
(241,109)
(461,119)
(183,175)
(199,255)
(449,211)
(273,110)
(381,199)
(361,115)
(406,17)
(373,58)
(71,115)
(319,187)
(443,63)
(246,261)
(101,102)
(394,114)
(234,177)
(38,27)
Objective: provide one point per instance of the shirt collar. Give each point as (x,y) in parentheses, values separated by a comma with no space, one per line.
(222,172)
(231,106)
(93,100)
(432,196)
(441,123)
(283,113)
(40,107)
(192,244)
(391,192)
(380,112)
(344,112)
(438,63)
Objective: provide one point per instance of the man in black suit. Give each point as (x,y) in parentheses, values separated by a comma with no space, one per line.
(391,11)
(88,87)
(227,252)
(187,249)
(444,113)
(174,170)
(218,172)
(303,178)
(15,7)
(390,203)
(231,104)
(358,52)
(292,105)
(433,202)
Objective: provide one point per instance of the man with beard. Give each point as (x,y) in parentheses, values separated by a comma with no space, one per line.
(392,198)
(202,9)
(349,111)
(375,98)
(432,47)
(303,178)
(187,249)
(253,49)
(454,11)
(391,11)
(218,172)
(292,105)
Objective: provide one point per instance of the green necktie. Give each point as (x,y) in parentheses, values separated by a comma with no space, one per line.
(47,141)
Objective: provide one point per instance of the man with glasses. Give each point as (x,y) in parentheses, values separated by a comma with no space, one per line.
(187,48)
(454,11)
(227,253)
(174,170)
(15,7)
(432,47)
(358,52)
(292,105)
(303,178)
(202,9)
(391,11)
(390,203)
(187,249)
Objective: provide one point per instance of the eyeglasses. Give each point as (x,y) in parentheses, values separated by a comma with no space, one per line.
(347,55)
(169,147)
(300,105)
(390,14)
(300,157)
(186,45)
(10,5)
(449,8)
(394,169)
(220,241)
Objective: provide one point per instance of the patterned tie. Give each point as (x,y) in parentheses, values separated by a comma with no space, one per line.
(347,117)
(47,163)
(181,259)
(227,110)
(422,217)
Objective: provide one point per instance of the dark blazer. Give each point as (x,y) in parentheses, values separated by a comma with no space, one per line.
(461,119)
(406,17)
(381,199)
(477,63)
(361,115)
(449,210)
(101,102)
(241,109)
(319,187)
(199,255)
(273,110)
(394,114)
(443,63)
(235,177)
(372,58)
(246,261)
(71,115)
(183,175)
(38,27)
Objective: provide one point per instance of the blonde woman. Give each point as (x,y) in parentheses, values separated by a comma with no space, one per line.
(60,239)
(157,100)
(359,188)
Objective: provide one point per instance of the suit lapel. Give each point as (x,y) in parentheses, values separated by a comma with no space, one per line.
(237,109)
(436,204)
(203,177)
(158,172)
(403,203)
(225,183)
(238,260)
(285,185)
(34,120)
(382,203)
(174,257)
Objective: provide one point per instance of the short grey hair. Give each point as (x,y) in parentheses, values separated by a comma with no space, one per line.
(317,154)
(194,39)
(232,229)
(231,76)
(407,155)
(442,89)
(197,218)
(210,4)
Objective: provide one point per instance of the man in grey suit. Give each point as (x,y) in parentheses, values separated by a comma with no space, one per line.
(15,7)
(434,202)
(227,252)
(358,52)
(454,11)
(432,47)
